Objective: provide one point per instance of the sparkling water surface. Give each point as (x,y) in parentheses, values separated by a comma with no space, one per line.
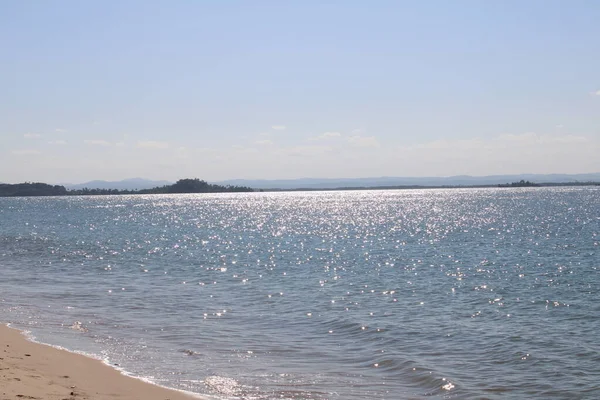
(409,294)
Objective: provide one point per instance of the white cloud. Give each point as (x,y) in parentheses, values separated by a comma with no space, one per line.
(441,144)
(347,155)
(97,142)
(60,130)
(152,144)
(507,142)
(505,154)
(304,151)
(58,142)
(596,93)
(26,152)
(239,149)
(32,136)
(182,152)
(530,138)
(326,135)
(279,127)
(363,141)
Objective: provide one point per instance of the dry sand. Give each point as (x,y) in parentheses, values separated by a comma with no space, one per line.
(34,371)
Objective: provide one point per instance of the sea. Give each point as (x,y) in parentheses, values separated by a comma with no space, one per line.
(487,293)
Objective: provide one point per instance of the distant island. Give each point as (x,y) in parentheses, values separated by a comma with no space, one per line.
(521,183)
(416,182)
(181,186)
(31,189)
(196,185)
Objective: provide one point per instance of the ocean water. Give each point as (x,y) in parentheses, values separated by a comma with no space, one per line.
(409,294)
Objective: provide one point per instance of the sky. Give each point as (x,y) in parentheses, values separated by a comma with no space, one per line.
(294,89)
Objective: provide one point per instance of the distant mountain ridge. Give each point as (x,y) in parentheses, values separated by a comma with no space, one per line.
(459,180)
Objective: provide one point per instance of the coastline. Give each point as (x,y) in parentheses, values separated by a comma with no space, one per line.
(30,370)
(194,186)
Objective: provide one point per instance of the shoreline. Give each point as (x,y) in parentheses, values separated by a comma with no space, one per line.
(125,192)
(32,370)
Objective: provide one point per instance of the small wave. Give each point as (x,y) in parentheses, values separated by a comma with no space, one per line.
(190,352)
(78,326)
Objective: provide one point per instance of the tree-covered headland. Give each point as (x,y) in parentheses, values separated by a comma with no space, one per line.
(31,189)
(181,186)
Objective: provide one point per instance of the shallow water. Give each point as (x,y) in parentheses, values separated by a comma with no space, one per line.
(475,293)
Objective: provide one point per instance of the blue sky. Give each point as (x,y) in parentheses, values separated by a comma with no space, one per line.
(289,89)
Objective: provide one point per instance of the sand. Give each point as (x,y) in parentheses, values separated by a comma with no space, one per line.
(34,371)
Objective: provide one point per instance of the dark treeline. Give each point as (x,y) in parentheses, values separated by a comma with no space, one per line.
(195,186)
(200,186)
(31,189)
(521,183)
(407,187)
(181,186)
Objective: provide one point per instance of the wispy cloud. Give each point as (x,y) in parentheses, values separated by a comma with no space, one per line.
(239,149)
(279,127)
(205,150)
(326,135)
(151,144)
(58,142)
(265,142)
(530,138)
(182,152)
(504,154)
(97,142)
(32,136)
(596,93)
(60,130)
(305,151)
(363,141)
(26,152)
(517,143)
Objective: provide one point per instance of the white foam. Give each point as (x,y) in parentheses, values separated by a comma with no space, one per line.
(30,337)
(223,385)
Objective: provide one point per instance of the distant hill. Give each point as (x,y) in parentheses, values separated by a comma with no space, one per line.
(461,180)
(31,189)
(194,185)
(126,184)
(139,185)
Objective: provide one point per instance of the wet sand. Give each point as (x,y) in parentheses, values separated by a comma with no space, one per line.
(35,371)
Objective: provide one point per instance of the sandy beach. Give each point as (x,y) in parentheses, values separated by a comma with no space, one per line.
(34,371)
